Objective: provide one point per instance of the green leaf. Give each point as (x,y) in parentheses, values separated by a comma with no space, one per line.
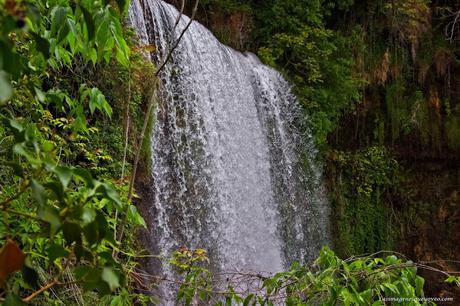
(111,278)
(39,193)
(391,260)
(64,174)
(85,175)
(89,21)
(51,215)
(117,301)
(56,251)
(72,232)
(58,20)
(15,125)
(135,217)
(87,215)
(10,61)
(96,230)
(108,192)
(248,299)
(391,287)
(63,31)
(57,189)
(419,283)
(29,274)
(42,45)
(82,252)
(13,300)
(6,91)
(89,277)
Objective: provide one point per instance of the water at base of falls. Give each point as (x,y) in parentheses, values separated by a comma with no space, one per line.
(233,168)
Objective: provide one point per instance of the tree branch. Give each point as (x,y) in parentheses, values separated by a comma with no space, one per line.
(41,290)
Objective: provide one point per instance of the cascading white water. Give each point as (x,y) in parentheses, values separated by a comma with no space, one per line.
(233,166)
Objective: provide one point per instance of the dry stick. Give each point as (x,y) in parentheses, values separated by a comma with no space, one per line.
(147,115)
(169,55)
(42,289)
(179,17)
(50,284)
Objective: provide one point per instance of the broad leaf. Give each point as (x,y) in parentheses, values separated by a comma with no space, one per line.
(39,192)
(51,215)
(11,260)
(111,278)
(56,251)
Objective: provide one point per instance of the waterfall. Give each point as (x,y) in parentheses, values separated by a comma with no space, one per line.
(233,161)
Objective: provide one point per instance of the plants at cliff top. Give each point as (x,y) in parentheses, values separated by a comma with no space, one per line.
(360,280)
(57,219)
(318,61)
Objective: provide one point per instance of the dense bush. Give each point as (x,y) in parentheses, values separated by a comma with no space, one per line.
(63,192)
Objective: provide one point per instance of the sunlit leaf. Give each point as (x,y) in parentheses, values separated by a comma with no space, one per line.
(111,278)
(135,217)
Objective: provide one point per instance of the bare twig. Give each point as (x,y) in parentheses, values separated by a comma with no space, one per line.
(176,44)
(52,283)
(41,290)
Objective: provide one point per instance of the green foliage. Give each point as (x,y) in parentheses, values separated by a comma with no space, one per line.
(58,219)
(361,182)
(196,285)
(318,61)
(366,280)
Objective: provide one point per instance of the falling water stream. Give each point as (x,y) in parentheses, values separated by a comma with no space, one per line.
(233,162)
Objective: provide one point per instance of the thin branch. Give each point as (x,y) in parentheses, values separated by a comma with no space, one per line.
(41,290)
(179,17)
(169,55)
(23,214)
(53,283)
